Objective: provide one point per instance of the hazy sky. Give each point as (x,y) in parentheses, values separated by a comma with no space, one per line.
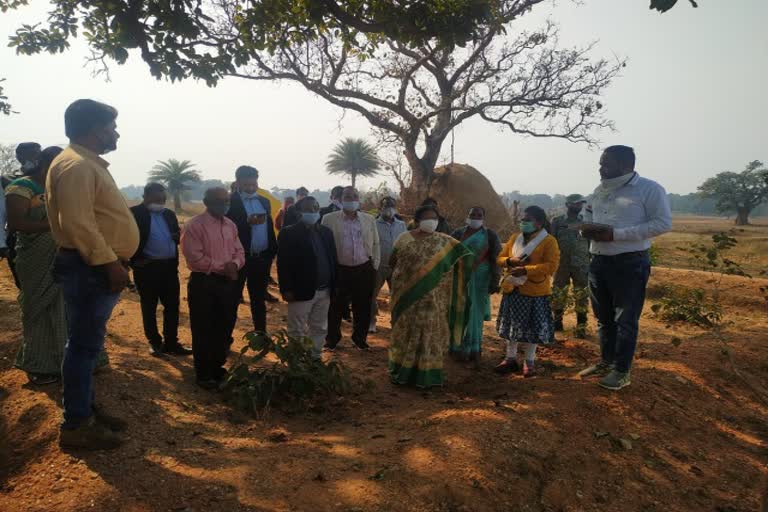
(692,102)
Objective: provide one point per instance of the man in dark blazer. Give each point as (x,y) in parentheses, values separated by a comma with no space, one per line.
(156,270)
(306,268)
(335,202)
(252,214)
(292,213)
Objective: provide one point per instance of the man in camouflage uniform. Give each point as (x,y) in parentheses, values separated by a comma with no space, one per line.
(574,264)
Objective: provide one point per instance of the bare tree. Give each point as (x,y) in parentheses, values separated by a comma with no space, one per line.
(8,163)
(526,84)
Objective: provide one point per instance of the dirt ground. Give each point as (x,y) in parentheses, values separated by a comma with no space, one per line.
(688,435)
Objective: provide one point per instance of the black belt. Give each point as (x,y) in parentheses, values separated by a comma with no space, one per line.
(622,256)
(203,275)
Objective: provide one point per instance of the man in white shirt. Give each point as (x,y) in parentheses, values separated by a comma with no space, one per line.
(358,255)
(627,211)
(389,228)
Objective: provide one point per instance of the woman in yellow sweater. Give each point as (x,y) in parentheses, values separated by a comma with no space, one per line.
(530,259)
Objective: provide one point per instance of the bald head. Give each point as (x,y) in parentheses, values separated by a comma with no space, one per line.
(216,200)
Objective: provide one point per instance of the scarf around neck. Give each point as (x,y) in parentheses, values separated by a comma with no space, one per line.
(520,249)
(609,185)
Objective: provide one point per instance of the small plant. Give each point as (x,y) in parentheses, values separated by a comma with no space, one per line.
(689,305)
(713,257)
(694,305)
(655,253)
(570,298)
(295,377)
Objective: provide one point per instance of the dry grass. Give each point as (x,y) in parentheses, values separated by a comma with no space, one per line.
(752,251)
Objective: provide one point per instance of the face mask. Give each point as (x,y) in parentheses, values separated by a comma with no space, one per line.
(527,226)
(475,223)
(351,206)
(155,207)
(218,209)
(389,212)
(29,166)
(249,196)
(310,218)
(428,226)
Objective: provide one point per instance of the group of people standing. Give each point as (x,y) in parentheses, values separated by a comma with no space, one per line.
(441,284)
(77,240)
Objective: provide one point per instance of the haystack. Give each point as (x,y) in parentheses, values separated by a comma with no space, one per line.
(458,187)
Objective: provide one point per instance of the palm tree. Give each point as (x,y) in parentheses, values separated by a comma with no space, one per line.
(354,157)
(176,175)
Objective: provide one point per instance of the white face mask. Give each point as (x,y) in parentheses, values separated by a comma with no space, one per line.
(155,207)
(389,212)
(428,226)
(29,165)
(474,223)
(249,196)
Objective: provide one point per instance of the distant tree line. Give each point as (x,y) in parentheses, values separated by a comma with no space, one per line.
(688,204)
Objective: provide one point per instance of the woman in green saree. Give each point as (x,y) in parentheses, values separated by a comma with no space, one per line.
(426,315)
(483,277)
(43,316)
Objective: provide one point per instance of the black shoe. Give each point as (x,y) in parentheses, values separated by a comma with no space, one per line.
(271,298)
(177,350)
(41,379)
(559,326)
(209,384)
(156,349)
(362,346)
(507,366)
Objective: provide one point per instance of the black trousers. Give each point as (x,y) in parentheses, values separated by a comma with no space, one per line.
(212,306)
(353,285)
(11,243)
(158,281)
(255,274)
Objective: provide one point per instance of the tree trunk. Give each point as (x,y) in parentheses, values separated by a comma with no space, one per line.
(354,179)
(422,173)
(177,201)
(742,216)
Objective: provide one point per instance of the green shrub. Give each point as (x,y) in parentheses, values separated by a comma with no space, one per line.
(567,299)
(689,305)
(254,384)
(655,254)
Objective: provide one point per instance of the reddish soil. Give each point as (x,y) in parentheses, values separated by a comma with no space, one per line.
(688,435)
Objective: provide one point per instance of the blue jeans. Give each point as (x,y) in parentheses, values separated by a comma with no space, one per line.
(89,305)
(617,290)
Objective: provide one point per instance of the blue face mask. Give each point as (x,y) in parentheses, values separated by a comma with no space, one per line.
(310,219)
(527,226)
(351,206)
(249,196)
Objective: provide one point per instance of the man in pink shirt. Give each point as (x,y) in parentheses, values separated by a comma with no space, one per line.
(214,255)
